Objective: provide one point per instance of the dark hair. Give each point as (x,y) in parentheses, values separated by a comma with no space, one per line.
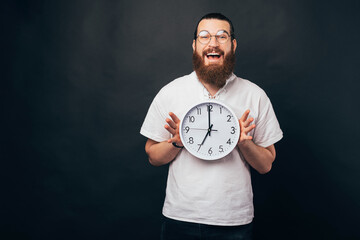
(218,16)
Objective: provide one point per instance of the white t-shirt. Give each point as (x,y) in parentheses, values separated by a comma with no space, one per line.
(211,192)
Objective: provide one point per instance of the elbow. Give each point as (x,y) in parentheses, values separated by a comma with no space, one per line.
(265,169)
(152,158)
(154,163)
(148,153)
(151,153)
(268,165)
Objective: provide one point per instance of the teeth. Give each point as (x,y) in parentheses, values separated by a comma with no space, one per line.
(213,54)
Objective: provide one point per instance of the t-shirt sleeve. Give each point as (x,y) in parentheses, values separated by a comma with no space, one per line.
(267,129)
(153,125)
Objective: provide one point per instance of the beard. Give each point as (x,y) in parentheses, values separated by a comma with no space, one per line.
(214,74)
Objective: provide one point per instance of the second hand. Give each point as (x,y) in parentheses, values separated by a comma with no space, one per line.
(203,129)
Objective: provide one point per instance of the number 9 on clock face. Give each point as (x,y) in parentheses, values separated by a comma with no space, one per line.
(209,130)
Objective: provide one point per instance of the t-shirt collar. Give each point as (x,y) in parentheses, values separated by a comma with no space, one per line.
(221,91)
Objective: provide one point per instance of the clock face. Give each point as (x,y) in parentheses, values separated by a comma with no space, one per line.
(210,130)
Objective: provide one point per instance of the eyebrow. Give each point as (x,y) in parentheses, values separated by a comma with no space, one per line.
(216,32)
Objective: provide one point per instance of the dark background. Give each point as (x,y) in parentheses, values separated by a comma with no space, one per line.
(77,80)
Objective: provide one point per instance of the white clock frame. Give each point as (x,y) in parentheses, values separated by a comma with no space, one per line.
(210,139)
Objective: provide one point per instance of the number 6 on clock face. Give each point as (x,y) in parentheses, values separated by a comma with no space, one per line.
(209,130)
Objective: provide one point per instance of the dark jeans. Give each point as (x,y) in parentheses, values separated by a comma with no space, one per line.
(173,229)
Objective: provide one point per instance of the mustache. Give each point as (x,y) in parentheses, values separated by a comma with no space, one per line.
(213,50)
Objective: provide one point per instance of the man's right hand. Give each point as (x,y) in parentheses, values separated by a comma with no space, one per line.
(173,128)
(161,153)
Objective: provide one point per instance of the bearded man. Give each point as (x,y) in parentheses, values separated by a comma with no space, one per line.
(211,199)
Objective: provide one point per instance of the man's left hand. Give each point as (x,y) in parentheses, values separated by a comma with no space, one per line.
(245,127)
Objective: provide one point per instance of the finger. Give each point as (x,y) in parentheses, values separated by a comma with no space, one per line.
(241,124)
(171,123)
(170,129)
(248,121)
(176,140)
(245,137)
(248,129)
(248,137)
(245,115)
(174,117)
(171,140)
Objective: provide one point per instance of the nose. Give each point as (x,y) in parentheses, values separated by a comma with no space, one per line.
(213,42)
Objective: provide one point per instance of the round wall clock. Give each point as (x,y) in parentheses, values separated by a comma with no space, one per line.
(209,130)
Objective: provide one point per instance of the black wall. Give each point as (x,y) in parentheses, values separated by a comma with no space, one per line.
(79,76)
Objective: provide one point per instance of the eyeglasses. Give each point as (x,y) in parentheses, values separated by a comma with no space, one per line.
(205,37)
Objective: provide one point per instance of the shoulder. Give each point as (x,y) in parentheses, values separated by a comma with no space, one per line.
(177,86)
(180,82)
(244,94)
(247,87)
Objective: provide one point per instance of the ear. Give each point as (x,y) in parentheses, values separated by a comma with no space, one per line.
(193,45)
(234,44)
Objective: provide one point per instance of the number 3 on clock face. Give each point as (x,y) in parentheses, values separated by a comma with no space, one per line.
(210,130)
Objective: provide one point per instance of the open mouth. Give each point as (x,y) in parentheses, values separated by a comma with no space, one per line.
(213,56)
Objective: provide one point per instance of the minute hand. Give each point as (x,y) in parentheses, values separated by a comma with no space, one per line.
(207,134)
(209,110)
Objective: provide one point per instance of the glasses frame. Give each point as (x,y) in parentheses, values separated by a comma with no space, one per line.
(216,36)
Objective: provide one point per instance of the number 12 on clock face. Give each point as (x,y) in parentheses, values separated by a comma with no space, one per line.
(209,130)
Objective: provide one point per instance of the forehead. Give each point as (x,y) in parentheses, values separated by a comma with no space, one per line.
(213,25)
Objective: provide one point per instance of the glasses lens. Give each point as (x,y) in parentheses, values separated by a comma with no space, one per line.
(222,37)
(204,37)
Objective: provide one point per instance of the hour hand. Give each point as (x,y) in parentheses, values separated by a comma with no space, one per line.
(207,134)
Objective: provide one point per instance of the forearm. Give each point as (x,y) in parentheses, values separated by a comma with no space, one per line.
(259,158)
(160,153)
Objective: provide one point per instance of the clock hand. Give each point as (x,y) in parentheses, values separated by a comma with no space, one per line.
(208,133)
(209,118)
(203,129)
